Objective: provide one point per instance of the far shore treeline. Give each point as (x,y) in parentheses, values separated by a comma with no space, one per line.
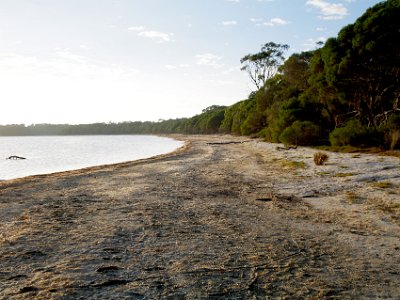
(346,92)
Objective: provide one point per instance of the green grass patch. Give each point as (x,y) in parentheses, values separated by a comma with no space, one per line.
(344,174)
(291,164)
(324,173)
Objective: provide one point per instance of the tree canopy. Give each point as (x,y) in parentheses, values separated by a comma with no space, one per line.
(263,65)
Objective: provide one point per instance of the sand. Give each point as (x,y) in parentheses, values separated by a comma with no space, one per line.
(223,217)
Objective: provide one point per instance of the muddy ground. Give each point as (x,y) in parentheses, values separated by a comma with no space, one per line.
(207,222)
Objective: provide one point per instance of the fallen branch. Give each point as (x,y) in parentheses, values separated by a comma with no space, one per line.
(286,148)
(15,157)
(228,143)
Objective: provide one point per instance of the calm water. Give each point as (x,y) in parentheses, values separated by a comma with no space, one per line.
(60,153)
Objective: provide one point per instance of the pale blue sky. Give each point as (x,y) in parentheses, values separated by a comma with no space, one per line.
(83,61)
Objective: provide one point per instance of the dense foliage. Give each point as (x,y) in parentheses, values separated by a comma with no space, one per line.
(344,93)
(208,122)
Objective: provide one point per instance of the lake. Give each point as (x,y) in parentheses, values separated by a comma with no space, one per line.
(49,154)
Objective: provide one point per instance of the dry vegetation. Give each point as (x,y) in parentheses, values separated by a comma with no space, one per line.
(320,158)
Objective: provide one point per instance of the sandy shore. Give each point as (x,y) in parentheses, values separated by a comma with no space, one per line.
(234,221)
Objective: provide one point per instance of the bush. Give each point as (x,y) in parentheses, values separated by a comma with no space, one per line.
(353,133)
(269,135)
(392,132)
(395,139)
(302,133)
(320,158)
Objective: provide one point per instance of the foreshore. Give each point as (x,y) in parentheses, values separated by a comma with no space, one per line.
(222,217)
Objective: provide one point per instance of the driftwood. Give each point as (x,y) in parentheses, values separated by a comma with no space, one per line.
(286,148)
(15,157)
(228,143)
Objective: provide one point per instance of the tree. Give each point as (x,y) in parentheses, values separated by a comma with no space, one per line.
(263,65)
(363,63)
(296,70)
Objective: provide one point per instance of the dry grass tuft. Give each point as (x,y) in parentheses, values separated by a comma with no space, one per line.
(383,184)
(388,207)
(320,158)
(353,198)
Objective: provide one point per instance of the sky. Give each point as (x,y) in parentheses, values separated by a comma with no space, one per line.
(87,61)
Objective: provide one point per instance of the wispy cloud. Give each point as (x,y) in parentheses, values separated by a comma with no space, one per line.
(63,64)
(235,1)
(171,67)
(158,36)
(275,22)
(312,43)
(230,70)
(270,23)
(60,83)
(209,59)
(229,23)
(328,10)
(137,28)
(256,20)
(67,55)
(174,67)
(84,47)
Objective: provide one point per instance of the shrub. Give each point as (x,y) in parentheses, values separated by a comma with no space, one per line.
(394,139)
(269,135)
(320,158)
(392,132)
(301,133)
(353,133)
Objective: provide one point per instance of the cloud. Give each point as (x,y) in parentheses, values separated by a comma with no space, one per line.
(11,61)
(329,11)
(171,67)
(50,89)
(229,23)
(209,59)
(234,1)
(136,28)
(174,67)
(65,54)
(276,22)
(158,36)
(256,20)
(313,43)
(230,70)
(63,64)
(271,23)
